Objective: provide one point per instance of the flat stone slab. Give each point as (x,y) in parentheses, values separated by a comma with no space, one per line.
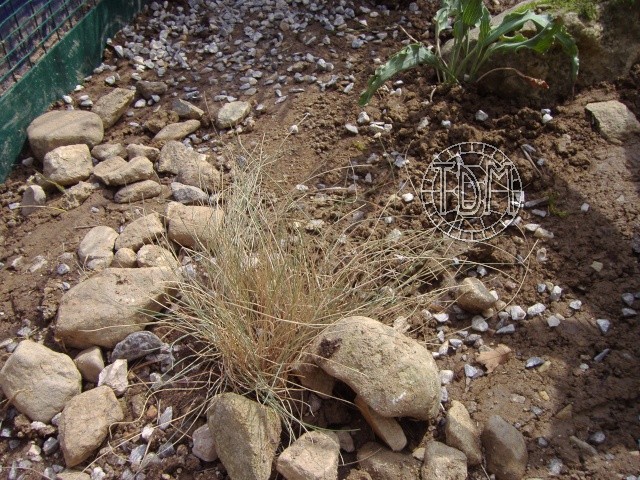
(614,120)
(107,307)
(232,114)
(111,107)
(59,128)
(192,225)
(177,131)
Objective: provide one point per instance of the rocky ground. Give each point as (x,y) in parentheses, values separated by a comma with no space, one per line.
(535,371)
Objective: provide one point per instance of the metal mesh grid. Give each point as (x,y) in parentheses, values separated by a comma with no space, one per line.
(29,27)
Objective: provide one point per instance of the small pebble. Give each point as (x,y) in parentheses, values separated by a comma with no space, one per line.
(597,438)
(629,312)
(479,324)
(363,118)
(555,466)
(556,293)
(541,287)
(446,376)
(441,317)
(140,103)
(553,321)
(446,123)
(536,309)
(603,325)
(506,330)
(602,355)
(546,118)
(584,208)
(517,313)
(470,371)
(575,305)
(628,298)
(481,116)
(351,128)
(293,129)
(407,197)
(533,362)
(543,442)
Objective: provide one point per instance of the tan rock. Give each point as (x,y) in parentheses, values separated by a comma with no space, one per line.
(96,248)
(60,128)
(33,199)
(111,107)
(38,381)
(107,150)
(232,114)
(144,230)
(383,464)
(68,165)
(313,456)
(473,296)
(192,225)
(84,423)
(107,307)
(394,374)
(124,258)
(462,433)
(136,150)
(177,131)
(505,449)
(443,463)
(90,363)
(387,429)
(156,256)
(246,435)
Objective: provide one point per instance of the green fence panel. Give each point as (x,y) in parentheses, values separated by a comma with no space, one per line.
(57,73)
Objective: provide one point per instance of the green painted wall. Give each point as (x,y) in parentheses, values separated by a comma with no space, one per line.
(57,73)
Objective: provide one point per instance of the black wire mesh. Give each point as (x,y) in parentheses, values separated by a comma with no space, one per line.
(29,27)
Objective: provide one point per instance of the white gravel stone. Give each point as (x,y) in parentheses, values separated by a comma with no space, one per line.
(115,376)
(603,325)
(517,313)
(536,309)
(575,305)
(204,446)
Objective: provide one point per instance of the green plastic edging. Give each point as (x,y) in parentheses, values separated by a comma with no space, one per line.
(57,73)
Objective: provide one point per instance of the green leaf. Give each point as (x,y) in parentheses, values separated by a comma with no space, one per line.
(409,57)
(514,22)
(541,43)
(471,12)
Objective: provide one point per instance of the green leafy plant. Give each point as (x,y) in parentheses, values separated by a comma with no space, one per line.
(468,55)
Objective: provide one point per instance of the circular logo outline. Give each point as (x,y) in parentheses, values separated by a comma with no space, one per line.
(476,190)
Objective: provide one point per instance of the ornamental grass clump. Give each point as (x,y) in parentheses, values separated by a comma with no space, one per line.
(264,287)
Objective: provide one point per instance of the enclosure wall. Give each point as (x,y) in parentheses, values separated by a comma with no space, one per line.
(57,73)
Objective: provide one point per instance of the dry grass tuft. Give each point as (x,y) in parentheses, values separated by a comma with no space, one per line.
(265,287)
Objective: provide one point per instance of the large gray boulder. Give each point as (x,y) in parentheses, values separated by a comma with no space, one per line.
(246,435)
(107,307)
(38,381)
(60,128)
(67,165)
(395,375)
(85,422)
(111,107)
